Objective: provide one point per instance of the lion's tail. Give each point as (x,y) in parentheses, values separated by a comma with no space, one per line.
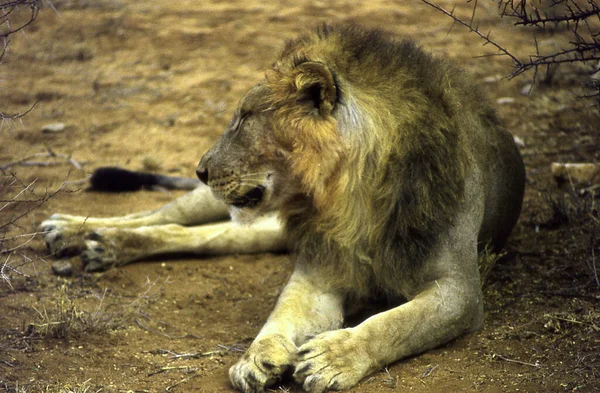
(115,179)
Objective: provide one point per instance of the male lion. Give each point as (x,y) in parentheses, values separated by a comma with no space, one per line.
(388,171)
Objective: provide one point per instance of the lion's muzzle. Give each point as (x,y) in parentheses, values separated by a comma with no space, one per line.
(235,190)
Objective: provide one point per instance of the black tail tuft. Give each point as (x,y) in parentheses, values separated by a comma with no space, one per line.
(114,179)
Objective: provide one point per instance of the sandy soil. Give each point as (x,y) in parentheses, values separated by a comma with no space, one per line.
(152,84)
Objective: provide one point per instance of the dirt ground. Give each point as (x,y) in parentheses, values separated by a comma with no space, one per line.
(151,84)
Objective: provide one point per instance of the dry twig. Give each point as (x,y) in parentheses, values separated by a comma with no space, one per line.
(536,364)
(18,116)
(165,369)
(26,160)
(14,209)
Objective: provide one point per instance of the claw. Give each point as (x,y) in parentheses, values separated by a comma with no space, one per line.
(95,236)
(264,365)
(92,265)
(46,228)
(98,255)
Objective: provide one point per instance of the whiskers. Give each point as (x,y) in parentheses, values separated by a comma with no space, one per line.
(250,183)
(244,190)
(250,174)
(256,179)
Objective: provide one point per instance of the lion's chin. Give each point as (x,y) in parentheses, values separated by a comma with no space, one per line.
(245,215)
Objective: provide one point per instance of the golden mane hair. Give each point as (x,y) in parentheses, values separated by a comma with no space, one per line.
(378,142)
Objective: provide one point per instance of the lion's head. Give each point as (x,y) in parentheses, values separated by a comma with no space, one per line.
(281,144)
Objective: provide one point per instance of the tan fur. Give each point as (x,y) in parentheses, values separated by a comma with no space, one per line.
(388,170)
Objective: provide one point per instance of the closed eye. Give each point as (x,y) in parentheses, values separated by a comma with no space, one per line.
(242,118)
(236,121)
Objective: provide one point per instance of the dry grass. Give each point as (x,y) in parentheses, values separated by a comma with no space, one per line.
(83,387)
(487,261)
(71,314)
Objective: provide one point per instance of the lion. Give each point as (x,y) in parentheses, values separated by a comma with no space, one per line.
(387,171)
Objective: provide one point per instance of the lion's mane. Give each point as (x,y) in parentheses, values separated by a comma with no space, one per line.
(384,169)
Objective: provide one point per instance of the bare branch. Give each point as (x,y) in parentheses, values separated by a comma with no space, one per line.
(584,48)
(9,7)
(13,237)
(485,37)
(4,117)
(26,160)
(570,16)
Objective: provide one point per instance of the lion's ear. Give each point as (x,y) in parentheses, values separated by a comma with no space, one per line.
(316,87)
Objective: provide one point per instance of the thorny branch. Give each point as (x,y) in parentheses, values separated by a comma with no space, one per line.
(571,12)
(51,154)
(8,118)
(13,210)
(12,10)
(7,8)
(475,29)
(584,47)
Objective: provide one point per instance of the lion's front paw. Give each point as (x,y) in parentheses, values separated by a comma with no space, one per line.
(263,364)
(334,360)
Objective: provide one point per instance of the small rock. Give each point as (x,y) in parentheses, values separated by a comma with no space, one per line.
(519,141)
(527,89)
(151,163)
(492,79)
(62,268)
(505,100)
(54,128)
(583,174)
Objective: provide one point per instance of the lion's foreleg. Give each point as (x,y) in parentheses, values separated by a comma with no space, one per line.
(339,359)
(302,311)
(446,303)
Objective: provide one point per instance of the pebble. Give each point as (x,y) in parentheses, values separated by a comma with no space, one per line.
(492,79)
(527,89)
(519,141)
(62,268)
(583,174)
(54,128)
(151,163)
(505,100)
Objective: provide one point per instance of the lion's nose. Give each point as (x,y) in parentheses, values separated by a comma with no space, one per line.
(202,174)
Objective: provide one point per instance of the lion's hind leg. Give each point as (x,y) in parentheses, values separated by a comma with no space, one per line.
(109,247)
(64,233)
